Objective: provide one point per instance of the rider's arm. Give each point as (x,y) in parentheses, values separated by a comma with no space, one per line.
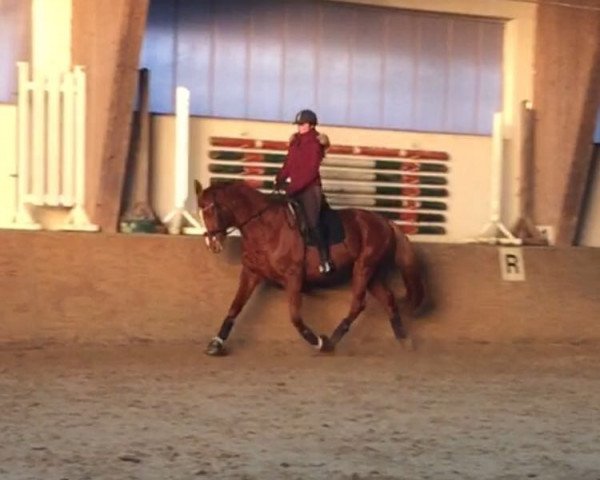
(283,173)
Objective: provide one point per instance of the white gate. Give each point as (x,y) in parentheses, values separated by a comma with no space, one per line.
(51,154)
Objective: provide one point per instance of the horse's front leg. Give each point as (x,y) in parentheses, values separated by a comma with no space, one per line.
(247,285)
(294,290)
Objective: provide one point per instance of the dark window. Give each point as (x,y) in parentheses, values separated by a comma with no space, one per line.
(355,65)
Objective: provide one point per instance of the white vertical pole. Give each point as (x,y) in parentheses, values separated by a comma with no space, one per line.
(499,233)
(80,143)
(175,218)
(78,218)
(21,217)
(496,174)
(23,118)
(53,140)
(38,170)
(68,140)
(182,139)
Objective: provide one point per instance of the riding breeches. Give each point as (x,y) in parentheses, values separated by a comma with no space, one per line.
(311,204)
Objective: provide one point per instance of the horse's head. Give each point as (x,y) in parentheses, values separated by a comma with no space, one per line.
(216,214)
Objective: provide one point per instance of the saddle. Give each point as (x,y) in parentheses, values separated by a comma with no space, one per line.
(330,223)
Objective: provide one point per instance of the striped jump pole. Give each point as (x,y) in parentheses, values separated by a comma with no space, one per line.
(406,186)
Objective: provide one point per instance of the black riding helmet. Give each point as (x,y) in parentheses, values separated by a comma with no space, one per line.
(306,116)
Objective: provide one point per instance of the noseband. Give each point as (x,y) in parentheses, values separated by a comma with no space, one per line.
(218,213)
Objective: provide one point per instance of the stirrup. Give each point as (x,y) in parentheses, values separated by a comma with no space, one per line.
(326,267)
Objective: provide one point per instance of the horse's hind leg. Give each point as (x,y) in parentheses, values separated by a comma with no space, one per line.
(247,284)
(382,292)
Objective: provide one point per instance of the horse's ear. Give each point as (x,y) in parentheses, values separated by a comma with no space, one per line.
(197,187)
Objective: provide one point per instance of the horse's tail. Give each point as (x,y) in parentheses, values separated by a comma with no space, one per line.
(407,260)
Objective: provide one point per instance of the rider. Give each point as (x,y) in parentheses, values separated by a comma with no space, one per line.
(306,150)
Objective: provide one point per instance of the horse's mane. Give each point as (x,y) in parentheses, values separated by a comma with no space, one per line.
(242,189)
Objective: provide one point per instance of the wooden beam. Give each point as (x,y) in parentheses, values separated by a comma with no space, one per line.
(581,4)
(107,40)
(566,98)
(581,167)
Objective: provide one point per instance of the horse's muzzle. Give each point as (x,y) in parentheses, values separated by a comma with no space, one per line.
(214,243)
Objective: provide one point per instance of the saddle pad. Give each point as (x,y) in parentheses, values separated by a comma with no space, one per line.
(331,226)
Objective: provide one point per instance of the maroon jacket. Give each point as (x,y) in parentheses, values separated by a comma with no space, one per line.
(302,163)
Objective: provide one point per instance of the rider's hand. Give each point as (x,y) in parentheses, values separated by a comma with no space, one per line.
(279,184)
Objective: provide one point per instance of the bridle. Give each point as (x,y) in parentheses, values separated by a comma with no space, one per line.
(227,230)
(217,231)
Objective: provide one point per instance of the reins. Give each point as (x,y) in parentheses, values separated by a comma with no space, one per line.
(228,230)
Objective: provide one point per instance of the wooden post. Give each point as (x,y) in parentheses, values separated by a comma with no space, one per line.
(139,216)
(566,97)
(107,38)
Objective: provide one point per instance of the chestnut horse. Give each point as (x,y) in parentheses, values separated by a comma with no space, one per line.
(273,249)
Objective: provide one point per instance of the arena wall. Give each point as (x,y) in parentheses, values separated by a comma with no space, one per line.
(54,48)
(469,177)
(78,288)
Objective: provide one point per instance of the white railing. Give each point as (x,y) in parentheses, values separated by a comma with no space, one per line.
(51,148)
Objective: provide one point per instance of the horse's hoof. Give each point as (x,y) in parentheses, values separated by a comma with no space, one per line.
(216,348)
(325,345)
(401,334)
(408,343)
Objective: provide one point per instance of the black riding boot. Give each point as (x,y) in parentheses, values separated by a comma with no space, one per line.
(325,266)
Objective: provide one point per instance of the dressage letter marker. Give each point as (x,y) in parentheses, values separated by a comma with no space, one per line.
(512,265)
